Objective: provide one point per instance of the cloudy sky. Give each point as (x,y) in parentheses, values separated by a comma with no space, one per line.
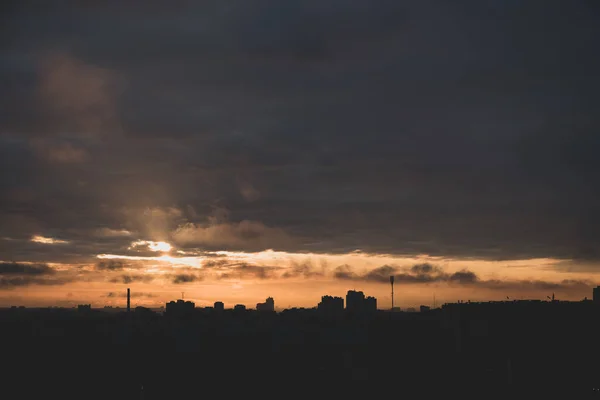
(235,150)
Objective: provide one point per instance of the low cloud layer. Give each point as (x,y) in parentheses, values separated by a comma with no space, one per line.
(13,275)
(110,265)
(249,271)
(428,274)
(185,278)
(418,274)
(18,281)
(13,268)
(131,278)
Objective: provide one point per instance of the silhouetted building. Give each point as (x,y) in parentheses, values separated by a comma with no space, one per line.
(356,302)
(596,295)
(268,305)
(180,307)
(370,304)
(239,307)
(331,304)
(425,308)
(219,306)
(128,300)
(84,307)
(143,311)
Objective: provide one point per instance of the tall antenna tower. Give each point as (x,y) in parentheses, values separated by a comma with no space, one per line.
(392,283)
(182,293)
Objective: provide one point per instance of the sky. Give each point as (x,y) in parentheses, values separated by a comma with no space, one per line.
(234,150)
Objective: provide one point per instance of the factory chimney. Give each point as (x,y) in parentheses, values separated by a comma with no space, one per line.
(128,300)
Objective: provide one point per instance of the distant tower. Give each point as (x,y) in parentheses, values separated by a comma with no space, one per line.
(392,283)
(128,300)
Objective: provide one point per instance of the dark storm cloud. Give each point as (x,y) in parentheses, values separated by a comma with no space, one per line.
(463,129)
(428,273)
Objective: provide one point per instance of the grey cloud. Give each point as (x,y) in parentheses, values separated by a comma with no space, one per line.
(428,273)
(424,268)
(305,270)
(110,265)
(462,129)
(381,274)
(249,271)
(565,284)
(247,235)
(128,278)
(14,268)
(218,263)
(18,281)
(14,274)
(419,273)
(574,266)
(463,277)
(344,272)
(185,278)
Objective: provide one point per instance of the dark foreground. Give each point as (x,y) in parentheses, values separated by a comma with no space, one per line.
(549,351)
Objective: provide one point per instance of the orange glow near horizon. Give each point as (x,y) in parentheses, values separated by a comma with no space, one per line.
(248,278)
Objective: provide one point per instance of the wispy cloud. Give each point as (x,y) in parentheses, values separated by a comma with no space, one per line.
(250,271)
(47,240)
(128,278)
(185,278)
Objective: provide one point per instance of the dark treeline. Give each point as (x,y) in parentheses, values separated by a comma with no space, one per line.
(462,349)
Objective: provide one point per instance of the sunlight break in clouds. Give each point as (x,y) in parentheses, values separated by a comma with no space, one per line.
(154,246)
(188,261)
(47,240)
